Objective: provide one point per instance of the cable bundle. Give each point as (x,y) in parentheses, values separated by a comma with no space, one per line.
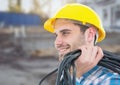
(64,77)
(110,61)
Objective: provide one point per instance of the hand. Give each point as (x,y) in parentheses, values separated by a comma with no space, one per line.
(89,58)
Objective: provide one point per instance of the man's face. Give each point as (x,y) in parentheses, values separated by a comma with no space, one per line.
(68,37)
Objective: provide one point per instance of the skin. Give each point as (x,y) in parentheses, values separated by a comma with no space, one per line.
(69,37)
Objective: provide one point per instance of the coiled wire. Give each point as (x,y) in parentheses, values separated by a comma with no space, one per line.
(64,77)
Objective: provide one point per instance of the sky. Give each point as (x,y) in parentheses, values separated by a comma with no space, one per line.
(3,5)
(50,8)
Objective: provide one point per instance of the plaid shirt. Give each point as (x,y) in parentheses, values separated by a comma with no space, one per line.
(99,76)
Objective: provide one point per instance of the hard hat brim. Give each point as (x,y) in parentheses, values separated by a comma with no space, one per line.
(48,25)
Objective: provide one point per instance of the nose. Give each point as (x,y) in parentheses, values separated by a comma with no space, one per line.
(58,40)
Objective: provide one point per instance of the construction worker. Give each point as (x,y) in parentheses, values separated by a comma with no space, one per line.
(77,26)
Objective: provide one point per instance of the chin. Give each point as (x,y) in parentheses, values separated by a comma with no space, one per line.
(61,55)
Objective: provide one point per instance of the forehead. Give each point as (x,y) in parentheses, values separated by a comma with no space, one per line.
(60,24)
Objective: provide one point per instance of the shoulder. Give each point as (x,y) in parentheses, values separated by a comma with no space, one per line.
(108,77)
(100,76)
(111,79)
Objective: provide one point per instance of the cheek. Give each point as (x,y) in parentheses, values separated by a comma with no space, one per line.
(77,41)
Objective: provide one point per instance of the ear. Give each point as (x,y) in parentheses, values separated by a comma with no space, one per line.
(90,35)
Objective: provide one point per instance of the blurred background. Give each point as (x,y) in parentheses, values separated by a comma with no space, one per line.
(27,51)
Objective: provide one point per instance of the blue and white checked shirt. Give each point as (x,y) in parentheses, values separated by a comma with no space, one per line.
(99,76)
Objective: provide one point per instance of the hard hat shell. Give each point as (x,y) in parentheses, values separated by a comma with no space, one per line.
(80,13)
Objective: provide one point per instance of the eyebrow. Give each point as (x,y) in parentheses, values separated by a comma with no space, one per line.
(65,30)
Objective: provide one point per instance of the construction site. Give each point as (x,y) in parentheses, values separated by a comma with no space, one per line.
(27,51)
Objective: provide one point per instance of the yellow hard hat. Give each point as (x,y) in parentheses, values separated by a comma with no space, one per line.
(80,13)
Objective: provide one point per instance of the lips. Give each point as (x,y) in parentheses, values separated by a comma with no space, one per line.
(62,50)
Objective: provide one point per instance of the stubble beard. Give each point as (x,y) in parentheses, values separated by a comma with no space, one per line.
(61,55)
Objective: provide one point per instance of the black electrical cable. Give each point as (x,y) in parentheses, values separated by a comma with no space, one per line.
(47,76)
(64,77)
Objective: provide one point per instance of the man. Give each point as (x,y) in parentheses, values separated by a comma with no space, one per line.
(77,26)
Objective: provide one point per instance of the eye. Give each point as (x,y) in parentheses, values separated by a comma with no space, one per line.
(65,33)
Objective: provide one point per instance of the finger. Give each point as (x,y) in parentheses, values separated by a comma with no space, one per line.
(90,52)
(82,56)
(94,53)
(85,55)
(99,55)
(83,50)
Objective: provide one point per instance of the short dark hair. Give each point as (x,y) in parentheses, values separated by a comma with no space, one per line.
(83,28)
